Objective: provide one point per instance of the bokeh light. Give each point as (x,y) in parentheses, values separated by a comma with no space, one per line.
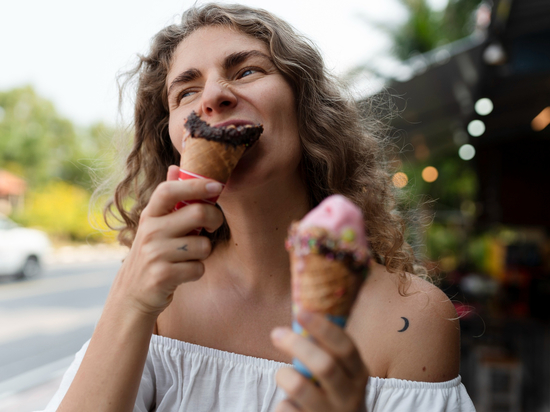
(467,152)
(476,128)
(468,208)
(430,174)
(422,152)
(484,106)
(400,180)
(541,121)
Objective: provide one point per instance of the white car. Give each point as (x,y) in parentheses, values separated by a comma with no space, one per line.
(22,250)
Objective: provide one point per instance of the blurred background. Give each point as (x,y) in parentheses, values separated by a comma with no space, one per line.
(464,85)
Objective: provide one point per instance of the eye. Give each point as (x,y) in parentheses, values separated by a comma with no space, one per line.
(248,71)
(185,93)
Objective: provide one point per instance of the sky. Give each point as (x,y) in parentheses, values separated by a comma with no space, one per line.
(71,51)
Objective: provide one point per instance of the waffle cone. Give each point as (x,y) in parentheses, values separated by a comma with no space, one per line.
(210,159)
(322,285)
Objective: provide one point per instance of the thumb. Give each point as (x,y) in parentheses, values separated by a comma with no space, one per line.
(173,173)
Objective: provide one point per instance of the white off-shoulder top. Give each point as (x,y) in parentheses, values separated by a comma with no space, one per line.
(183,377)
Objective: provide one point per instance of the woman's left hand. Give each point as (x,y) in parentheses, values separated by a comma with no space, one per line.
(333,359)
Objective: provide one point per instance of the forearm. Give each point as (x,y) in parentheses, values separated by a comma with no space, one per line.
(108,378)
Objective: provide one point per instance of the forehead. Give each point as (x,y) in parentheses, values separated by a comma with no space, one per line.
(210,46)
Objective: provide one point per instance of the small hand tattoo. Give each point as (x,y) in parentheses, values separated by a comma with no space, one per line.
(184,247)
(406,325)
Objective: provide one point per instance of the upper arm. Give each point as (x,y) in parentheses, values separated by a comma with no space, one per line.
(429,350)
(413,337)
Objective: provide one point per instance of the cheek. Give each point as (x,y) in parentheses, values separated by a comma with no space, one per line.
(176,133)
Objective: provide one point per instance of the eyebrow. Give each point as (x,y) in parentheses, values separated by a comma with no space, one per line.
(185,77)
(238,57)
(229,62)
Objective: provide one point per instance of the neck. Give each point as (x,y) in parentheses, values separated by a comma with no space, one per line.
(254,259)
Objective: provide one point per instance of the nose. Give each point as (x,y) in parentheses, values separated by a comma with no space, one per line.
(217,97)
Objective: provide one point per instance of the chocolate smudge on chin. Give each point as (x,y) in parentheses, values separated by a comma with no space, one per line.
(230,135)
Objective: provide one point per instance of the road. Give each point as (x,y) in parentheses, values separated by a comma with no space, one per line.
(43,323)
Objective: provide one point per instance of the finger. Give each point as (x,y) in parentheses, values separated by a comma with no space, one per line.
(335,341)
(183,272)
(337,385)
(185,248)
(167,194)
(187,218)
(287,406)
(301,392)
(164,279)
(173,172)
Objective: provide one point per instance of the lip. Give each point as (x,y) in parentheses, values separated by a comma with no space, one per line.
(235,122)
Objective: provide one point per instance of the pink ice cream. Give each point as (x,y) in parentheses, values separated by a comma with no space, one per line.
(329,260)
(340,217)
(334,229)
(330,256)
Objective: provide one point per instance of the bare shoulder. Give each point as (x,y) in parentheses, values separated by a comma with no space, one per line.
(413,335)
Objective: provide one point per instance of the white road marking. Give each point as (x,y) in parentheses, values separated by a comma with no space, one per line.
(32,321)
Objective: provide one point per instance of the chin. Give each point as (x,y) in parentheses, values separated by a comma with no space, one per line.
(245,176)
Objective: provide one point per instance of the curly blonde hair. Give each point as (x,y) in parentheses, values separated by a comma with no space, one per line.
(341,151)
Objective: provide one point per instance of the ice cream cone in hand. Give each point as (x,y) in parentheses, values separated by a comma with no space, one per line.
(210,159)
(213,152)
(329,259)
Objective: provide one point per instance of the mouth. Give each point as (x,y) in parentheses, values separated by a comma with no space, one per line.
(235,123)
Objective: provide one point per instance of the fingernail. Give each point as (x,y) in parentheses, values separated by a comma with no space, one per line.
(305,316)
(279,333)
(214,187)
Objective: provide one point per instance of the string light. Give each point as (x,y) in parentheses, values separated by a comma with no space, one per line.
(476,128)
(400,180)
(430,174)
(542,120)
(484,106)
(466,152)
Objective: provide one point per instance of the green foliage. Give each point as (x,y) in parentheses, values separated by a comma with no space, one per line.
(61,209)
(478,250)
(57,161)
(457,181)
(454,192)
(40,145)
(442,240)
(452,204)
(425,28)
(420,33)
(34,137)
(458,18)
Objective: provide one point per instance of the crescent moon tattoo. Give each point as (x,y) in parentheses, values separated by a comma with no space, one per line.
(406,325)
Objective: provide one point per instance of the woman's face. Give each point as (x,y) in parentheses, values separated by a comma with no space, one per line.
(228,78)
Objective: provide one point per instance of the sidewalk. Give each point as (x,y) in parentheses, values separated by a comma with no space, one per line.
(32,390)
(30,400)
(86,253)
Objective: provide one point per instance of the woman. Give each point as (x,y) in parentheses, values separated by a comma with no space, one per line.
(196,323)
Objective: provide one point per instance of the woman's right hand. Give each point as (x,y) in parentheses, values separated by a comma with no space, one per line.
(162,255)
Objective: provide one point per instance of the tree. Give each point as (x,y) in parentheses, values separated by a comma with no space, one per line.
(40,145)
(423,30)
